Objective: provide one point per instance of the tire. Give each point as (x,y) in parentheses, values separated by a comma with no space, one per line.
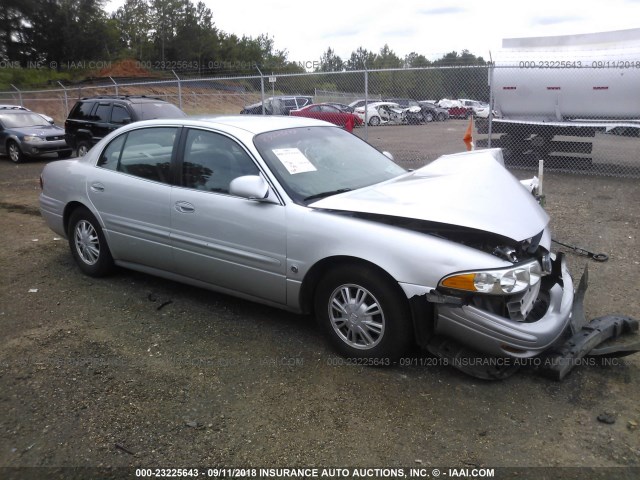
(82,148)
(14,152)
(65,154)
(88,244)
(441,117)
(363,313)
(374,121)
(428,118)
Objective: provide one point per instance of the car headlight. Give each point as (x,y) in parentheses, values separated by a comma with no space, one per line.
(504,281)
(33,138)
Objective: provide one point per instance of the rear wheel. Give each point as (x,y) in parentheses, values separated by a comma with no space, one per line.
(363,313)
(88,244)
(83,148)
(373,121)
(441,117)
(428,117)
(15,154)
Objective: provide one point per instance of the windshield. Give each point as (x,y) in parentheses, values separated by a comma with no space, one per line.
(312,162)
(22,119)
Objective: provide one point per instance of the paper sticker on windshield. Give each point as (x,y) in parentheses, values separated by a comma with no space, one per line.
(294,160)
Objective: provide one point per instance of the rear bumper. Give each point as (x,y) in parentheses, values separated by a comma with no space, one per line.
(499,336)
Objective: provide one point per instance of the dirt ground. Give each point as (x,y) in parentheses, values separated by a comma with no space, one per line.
(132,371)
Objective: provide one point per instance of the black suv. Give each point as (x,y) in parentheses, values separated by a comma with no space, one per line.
(93,118)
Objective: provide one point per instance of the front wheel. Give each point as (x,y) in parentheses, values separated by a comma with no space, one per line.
(15,154)
(88,244)
(374,121)
(363,313)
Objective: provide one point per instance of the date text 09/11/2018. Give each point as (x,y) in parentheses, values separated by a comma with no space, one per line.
(616,64)
(315,472)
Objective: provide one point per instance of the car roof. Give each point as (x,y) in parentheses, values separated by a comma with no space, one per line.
(9,106)
(254,124)
(125,98)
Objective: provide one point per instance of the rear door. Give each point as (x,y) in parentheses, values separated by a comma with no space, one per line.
(131,188)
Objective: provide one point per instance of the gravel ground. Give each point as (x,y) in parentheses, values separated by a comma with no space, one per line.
(132,370)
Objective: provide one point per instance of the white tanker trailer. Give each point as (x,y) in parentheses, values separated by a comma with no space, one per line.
(570,86)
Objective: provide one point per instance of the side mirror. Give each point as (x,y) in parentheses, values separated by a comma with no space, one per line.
(252,187)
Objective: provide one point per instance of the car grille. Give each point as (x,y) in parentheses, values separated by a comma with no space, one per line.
(55,137)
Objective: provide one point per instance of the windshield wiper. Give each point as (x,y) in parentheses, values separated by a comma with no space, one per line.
(326,194)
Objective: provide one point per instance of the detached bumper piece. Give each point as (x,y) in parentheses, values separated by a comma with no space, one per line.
(607,336)
(603,336)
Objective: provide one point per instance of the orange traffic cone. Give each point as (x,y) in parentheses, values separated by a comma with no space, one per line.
(468,136)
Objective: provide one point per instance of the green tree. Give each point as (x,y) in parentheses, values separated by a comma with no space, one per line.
(330,62)
(361,59)
(134,24)
(14,30)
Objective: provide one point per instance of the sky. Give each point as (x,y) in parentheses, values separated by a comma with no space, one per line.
(428,27)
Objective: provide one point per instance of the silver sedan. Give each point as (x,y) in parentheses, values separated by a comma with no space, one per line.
(302,215)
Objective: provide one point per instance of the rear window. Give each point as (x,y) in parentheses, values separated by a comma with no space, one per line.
(151,110)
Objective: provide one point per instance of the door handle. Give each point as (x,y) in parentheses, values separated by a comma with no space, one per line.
(184,207)
(97,187)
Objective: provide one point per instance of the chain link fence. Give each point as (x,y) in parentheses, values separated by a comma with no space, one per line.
(579,120)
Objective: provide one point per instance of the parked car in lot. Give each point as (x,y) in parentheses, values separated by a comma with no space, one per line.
(414,112)
(299,214)
(281,105)
(341,106)
(328,113)
(92,118)
(6,106)
(456,108)
(382,113)
(437,113)
(26,134)
(480,109)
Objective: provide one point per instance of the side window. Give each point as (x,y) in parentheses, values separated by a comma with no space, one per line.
(111,155)
(120,115)
(212,160)
(145,153)
(82,111)
(102,113)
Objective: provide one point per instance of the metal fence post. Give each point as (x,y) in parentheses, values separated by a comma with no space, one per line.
(179,89)
(491,67)
(19,94)
(66,99)
(261,88)
(366,103)
(115,84)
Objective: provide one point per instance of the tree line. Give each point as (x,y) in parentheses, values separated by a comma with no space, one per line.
(163,34)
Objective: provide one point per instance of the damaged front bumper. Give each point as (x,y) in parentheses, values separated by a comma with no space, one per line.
(496,335)
(557,340)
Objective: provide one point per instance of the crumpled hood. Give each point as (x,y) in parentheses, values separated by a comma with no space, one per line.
(470,189)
